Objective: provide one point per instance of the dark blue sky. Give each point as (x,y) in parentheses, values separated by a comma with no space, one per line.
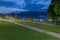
(7,6)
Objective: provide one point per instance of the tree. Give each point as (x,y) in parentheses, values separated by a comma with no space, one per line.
(54,10)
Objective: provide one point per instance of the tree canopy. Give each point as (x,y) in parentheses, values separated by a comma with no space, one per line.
(54,8)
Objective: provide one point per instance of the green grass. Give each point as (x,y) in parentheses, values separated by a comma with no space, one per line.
(9,31)
(46,26)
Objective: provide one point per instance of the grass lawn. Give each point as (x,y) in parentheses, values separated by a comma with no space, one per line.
(52,27)
(9,31)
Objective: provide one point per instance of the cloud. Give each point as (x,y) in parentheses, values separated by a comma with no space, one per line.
(18,2)
(9,4)
(7,10)
(43,2)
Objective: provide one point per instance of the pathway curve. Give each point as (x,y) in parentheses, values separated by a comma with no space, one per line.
(39,30)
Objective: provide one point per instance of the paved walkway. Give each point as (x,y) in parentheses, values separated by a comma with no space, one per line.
(39,30)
